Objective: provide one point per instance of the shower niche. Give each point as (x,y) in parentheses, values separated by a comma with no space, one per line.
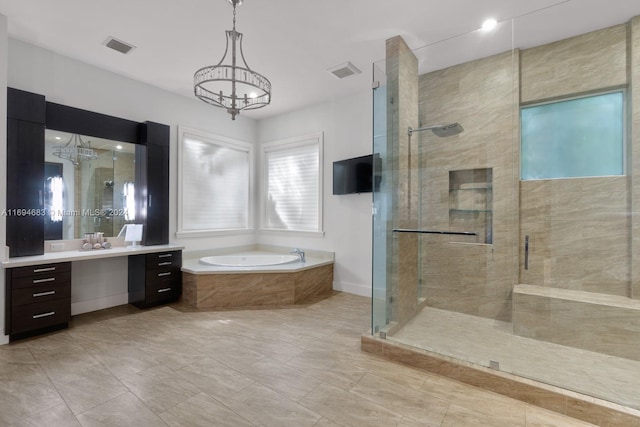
(471,202)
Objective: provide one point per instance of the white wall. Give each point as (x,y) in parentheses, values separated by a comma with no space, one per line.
(347,127)
(346,124)
(3,163)
(66,81)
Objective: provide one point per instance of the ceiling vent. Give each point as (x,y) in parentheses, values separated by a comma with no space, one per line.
(344,70)
(118,45)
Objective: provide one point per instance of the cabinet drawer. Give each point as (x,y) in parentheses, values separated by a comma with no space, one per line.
(163,290)
(41,279)
(40,315)
(164,260)
(160,275)
(41,293)
(43,269)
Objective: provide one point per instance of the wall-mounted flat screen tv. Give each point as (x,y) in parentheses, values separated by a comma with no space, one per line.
(355,175)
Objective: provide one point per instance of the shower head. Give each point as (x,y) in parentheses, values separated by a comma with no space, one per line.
(441,130)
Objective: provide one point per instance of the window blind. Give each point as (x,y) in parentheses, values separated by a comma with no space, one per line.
(292,187)
(215,185)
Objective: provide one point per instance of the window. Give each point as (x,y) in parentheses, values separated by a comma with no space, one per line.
(292,195)
(215,183)
(582,137)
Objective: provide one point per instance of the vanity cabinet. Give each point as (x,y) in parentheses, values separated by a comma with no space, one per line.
(28,114)
(155,278)
(153,178)
(37,297)
(25,173)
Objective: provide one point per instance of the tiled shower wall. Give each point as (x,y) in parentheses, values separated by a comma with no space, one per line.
(579,228)
(402,112)
(465,274)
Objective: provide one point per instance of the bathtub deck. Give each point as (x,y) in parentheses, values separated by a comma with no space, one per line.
(256,289)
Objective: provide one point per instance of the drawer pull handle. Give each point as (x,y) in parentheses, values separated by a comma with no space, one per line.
(160,264)
(48,279)
(164,274)
(42,270)
(44,294)
(165,255)
(164,290)
(38,316)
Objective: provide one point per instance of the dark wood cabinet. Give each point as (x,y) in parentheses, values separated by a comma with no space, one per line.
(38,298)
(27,116)
(25,173)
(152,171)
(155,278)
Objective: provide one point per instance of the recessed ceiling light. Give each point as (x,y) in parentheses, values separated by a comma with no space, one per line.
(58,138)
(489,24)
(253,95)
(119,147)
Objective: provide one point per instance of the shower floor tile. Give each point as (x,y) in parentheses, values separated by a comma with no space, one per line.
(482,341)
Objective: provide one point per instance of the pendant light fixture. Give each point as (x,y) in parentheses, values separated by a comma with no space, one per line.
(233,86)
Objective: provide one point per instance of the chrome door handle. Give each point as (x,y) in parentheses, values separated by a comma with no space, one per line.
(164,274)
(164,290)
(48,279)
(42,270)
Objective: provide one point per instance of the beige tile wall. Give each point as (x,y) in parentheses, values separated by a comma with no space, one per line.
(634,154)
(578,234)
(578,228)
(576,65)
(402,112)
(471,278)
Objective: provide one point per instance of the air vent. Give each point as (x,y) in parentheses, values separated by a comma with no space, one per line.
(344,70)
(118,45)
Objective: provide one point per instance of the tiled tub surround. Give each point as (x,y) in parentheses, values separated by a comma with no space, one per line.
(207,286)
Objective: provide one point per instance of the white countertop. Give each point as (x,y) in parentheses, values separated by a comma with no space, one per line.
(81,255)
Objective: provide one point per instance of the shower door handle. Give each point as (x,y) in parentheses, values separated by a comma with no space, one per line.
(526,252)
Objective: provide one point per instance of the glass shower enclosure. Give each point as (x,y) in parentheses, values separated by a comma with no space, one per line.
(503,225)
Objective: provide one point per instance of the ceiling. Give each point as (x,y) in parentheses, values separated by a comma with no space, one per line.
(294,42)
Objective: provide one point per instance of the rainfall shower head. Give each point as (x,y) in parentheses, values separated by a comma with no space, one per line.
(441,130)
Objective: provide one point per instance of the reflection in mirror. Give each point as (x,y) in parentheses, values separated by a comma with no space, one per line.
(89,185)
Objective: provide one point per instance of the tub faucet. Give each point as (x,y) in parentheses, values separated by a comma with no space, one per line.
(299,253)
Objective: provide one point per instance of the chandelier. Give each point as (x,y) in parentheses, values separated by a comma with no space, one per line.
(75,150)
(234,86)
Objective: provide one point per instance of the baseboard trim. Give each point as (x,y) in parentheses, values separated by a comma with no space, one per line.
(352,288)
(572,404)
(4,339)
(99,304)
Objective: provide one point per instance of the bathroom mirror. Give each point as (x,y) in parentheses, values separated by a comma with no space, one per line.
(89,185)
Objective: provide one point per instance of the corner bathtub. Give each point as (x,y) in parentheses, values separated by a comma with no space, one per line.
(255,279)
(249,260)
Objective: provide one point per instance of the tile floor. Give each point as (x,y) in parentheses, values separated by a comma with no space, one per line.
(297,367)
